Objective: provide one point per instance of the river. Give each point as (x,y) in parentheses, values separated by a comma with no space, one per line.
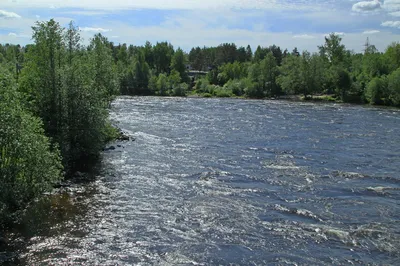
(228,181)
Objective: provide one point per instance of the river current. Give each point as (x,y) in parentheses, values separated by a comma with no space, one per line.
(228,181)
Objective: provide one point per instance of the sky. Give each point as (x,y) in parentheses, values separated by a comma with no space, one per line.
(190,23)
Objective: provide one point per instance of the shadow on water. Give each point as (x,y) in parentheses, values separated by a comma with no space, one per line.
(53,216)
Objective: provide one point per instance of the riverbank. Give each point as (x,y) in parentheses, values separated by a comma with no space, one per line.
(293,98)
(324,98)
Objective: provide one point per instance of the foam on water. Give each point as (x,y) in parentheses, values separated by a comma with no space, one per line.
(222,181)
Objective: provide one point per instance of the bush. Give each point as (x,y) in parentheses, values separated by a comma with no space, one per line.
(180,89)
(211,89)
(222,93)
(394,87)
(239,86)
(253,91)
(235,86)
(201,85)
(376,90)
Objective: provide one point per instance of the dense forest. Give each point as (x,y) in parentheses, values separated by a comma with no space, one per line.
(55,93)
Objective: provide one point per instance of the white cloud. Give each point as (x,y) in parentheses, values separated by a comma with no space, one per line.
(89,29)
(395,14)
(303,36)
(366,6)
(8,15)
(15,35)
(371,31)
(391,5)
(391,24)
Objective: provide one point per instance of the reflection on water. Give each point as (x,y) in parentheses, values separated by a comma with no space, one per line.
(219,181)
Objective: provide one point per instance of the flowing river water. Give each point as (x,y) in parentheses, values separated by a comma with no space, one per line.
(228,181)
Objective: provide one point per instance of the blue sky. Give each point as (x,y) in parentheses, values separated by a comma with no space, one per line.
(188,23)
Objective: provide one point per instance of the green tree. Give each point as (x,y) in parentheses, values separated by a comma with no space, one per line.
(333,50)
(122,54)
(174,79)
(263,76)
(392,56)
(178,63)
(241,55)
(140,75)
(106,78)
(149,54)
(269,73)
(163,53)
(295,52)
(259,54)
(249,53)
(342,81)
(29,165)
(41,77)
(277,53)
(302,74)
(291,75)
(196,58)
(162,85)
(226,53)
(311,73)
(73,39)
(374,65)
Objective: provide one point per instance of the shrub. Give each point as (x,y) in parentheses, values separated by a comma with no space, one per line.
(375,93)
(235,86)
(180,89)
(253,90)
(394,87)
(201,85)
(223,94)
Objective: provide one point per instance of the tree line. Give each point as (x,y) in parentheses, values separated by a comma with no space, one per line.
(332,73)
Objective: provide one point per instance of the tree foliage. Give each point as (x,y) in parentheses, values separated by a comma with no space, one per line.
(29,163)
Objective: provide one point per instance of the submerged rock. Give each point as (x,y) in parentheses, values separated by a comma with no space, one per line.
(109,148)
(124,137)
